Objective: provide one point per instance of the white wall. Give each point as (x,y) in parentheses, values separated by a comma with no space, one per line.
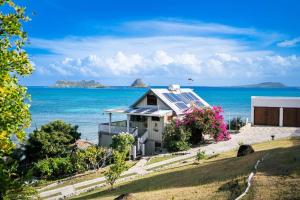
(279,102)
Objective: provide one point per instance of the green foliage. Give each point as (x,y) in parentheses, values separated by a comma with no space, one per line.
(176,138)
(52,168)
(51,140)
(116,168)
(91,158)
(122,142)
(12,184)
(236,123)
(78,161)
(25,192)
(14,112)
(14,62)
(200,155)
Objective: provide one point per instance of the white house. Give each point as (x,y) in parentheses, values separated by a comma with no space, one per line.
(147,117)
(275,111)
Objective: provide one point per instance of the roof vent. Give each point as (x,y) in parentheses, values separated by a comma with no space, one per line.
(174,87)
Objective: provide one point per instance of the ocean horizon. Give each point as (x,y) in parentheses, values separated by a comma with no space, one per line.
(85,106)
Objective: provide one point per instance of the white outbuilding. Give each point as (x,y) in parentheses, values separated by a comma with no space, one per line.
(275,111)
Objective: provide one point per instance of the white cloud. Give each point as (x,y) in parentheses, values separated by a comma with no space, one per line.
(162,58)
(289,43)
(194,49)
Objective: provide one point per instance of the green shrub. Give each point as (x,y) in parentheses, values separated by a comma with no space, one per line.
(53,168)
(236,123)
(51,140)
(200,155)
(116,168)
(122,142)
(176,138)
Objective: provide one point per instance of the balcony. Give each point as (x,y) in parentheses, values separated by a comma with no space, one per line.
(116,128)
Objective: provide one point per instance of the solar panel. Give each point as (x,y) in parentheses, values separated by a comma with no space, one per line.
(190,96)
(151,110)
(185,95)
(198,103)
(170,97)
(184,99)
(140,110)
(181,105)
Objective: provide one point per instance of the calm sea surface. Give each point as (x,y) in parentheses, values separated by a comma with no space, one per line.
(85,107)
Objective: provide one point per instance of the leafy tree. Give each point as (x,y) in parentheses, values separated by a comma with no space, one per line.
(116,168)
(14,63)
(78,161)
(122,142)
(94,156)
(53,168)
(51,140)
(14,112)
(176,138)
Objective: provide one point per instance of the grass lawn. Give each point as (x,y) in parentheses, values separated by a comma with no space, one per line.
(160,158)
(221,177)
(97,174)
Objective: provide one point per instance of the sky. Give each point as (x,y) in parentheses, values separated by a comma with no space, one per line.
(214,43)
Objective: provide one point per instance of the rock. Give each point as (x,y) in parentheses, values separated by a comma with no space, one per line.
(245,149)
(126,196)
(138,83)
(78,84)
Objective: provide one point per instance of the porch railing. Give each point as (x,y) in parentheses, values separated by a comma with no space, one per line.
(116,129)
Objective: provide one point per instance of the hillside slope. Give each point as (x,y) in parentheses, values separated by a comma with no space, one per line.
(221,177)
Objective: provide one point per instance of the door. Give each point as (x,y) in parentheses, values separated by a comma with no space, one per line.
(291,117)
(268,116)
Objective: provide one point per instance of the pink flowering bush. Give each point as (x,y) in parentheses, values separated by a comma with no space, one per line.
(205,121)
(196,122)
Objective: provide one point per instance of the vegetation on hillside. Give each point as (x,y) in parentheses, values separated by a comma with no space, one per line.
(51,140)
(196,123)
(121,145)
(220,177)
(236,124)
(14,111)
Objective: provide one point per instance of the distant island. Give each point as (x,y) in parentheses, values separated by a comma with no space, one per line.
(138,83)
(265,85)
(78,84)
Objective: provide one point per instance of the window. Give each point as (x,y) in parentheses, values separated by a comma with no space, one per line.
(151,100)
(138,118)
(155,119)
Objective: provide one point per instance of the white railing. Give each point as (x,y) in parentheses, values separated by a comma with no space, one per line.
(135,132)
(116,129)
(144,137)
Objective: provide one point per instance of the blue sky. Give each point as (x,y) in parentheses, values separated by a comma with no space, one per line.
(163,42)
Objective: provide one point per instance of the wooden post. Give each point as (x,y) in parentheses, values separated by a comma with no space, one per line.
(109,124)
(128,120)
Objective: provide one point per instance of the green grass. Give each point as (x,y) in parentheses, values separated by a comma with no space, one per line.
(221,177)
(97,183)
(52,195)
(160,158)
(84,177)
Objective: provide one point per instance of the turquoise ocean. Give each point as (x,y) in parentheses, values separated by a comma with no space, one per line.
(85,107)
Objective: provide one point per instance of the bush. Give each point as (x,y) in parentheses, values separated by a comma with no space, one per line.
(205,121)
(175,138)
(51,140)
(93,157)
(122,142)
(236,123)
(53,168)
(200,155)
(116,168)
